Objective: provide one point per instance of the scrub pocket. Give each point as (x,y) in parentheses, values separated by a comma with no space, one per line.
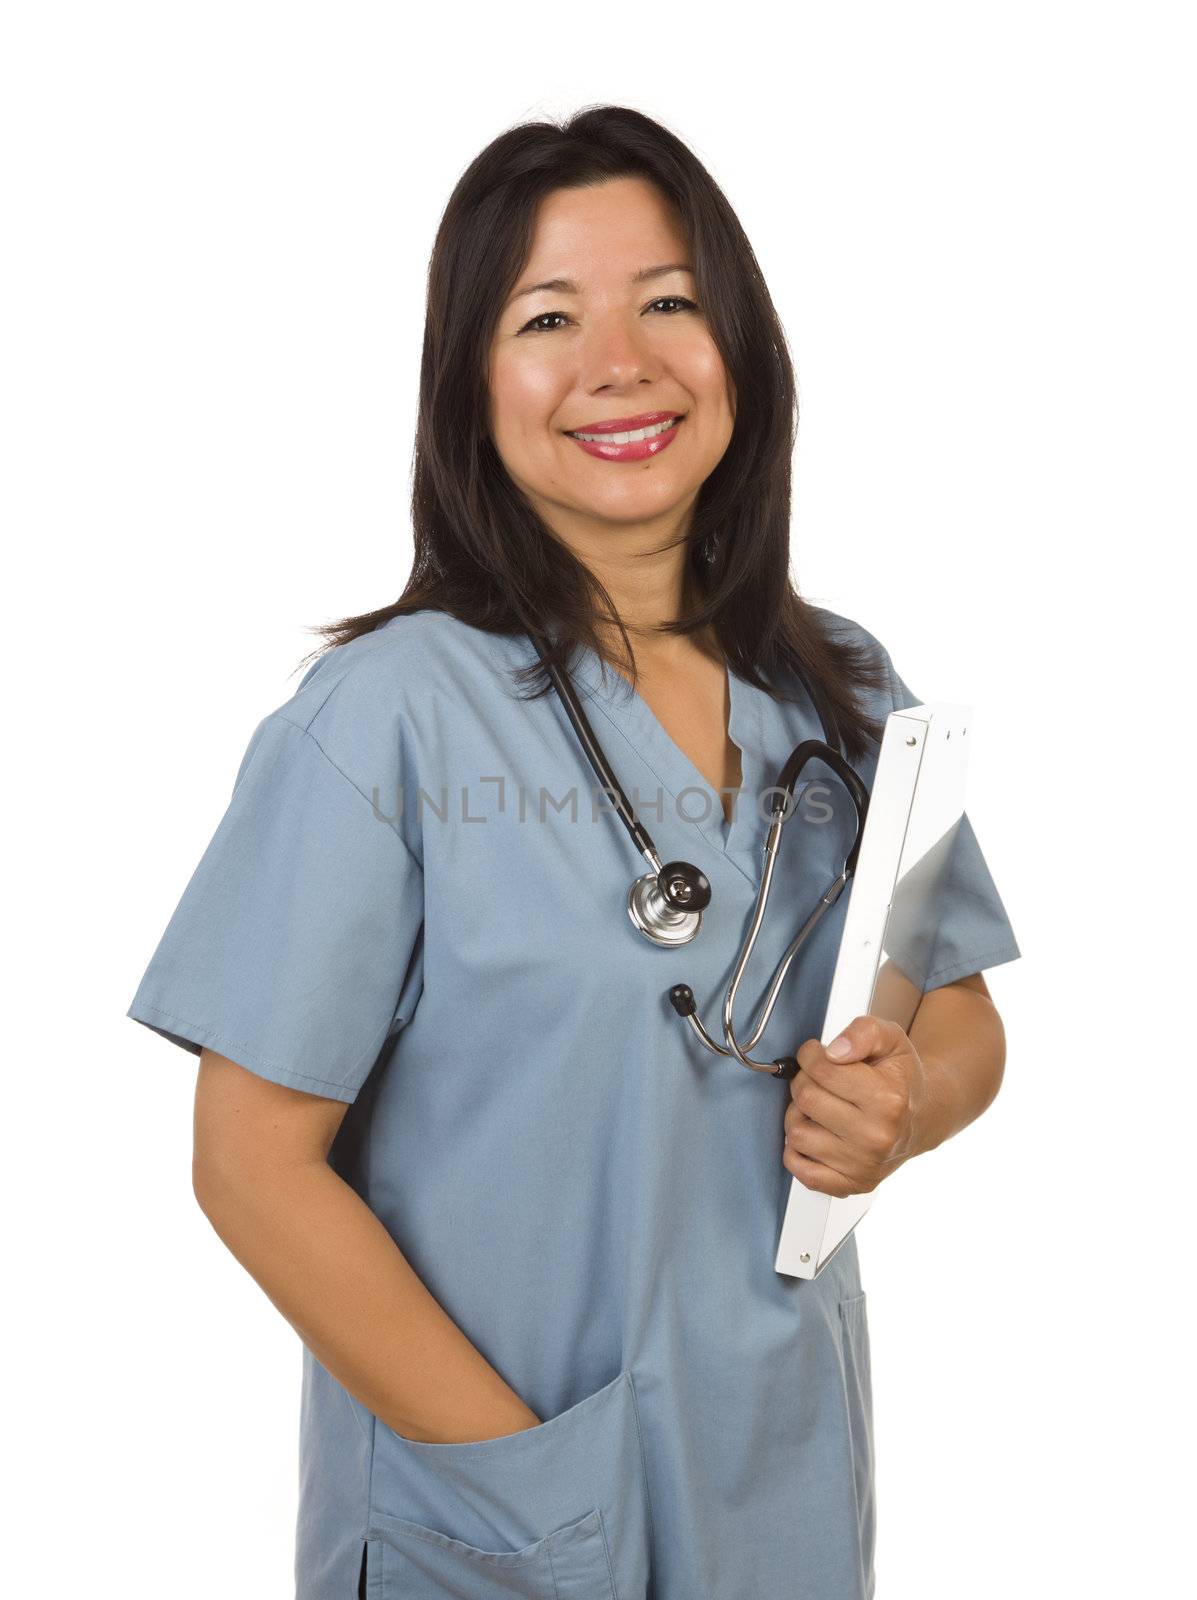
(556,1512)
(858,1394)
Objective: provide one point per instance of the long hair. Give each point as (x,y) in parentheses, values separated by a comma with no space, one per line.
(484,555)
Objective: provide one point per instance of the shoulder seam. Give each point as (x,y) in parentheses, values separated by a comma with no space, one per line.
(308,734)
(376,639)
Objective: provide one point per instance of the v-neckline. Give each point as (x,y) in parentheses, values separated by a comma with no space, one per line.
(695,802)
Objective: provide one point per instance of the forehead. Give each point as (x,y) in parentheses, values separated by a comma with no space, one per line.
(605,229)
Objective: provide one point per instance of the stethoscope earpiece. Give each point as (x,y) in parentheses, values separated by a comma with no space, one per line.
(681,998)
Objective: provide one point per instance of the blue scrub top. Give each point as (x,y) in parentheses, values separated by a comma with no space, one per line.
(593,1197)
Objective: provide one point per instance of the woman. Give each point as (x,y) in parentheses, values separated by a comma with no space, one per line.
(523,1222)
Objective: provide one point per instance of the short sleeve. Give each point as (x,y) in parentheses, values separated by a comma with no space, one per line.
(963,926)
(296,947)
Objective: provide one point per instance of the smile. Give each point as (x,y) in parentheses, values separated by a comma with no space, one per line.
(633,446)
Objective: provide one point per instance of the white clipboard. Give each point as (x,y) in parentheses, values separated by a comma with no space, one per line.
(915,808)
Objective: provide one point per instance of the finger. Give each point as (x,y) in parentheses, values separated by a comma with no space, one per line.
(850,1081)
(807,1142)
(864,1036)
(811,1139)
(810,1051)
(818,1176)
(827,1107)
(868,1039)
(845,1078)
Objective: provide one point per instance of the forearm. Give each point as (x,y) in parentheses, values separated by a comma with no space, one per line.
(961,1042)
(335,1273)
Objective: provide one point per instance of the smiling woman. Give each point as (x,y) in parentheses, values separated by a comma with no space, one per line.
(523,1222)
(592,279)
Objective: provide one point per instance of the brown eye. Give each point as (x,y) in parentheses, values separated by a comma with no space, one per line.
(531,327)
(679,301)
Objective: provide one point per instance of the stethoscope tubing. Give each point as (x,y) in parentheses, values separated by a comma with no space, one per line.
(598,760)
(667,904)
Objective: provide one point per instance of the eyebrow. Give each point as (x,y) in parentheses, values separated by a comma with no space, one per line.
(568,286)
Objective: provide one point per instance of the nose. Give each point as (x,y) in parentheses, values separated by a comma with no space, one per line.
(617,352)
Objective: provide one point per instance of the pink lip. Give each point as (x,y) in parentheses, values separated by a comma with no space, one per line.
(625,424)
(637,450)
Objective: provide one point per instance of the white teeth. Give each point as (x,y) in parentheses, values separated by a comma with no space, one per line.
(629,438)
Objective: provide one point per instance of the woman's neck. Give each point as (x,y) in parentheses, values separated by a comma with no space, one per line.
(656,597)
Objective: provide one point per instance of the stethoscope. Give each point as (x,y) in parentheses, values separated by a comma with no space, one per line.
(667,903)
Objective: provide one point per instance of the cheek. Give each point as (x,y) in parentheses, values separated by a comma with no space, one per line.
(525,397)
(705,375)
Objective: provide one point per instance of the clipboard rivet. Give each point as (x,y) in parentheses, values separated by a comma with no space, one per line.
(804,1257)
(912,740)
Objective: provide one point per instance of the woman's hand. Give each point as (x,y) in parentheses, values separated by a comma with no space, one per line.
(855,1112)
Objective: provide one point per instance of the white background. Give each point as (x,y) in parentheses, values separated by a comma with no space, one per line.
(977,225)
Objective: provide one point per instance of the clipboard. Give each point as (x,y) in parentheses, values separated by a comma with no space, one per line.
(915,810)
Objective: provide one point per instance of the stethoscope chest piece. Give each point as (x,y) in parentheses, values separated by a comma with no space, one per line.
(669,915)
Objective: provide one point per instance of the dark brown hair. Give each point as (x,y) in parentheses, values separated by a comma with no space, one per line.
(484,555)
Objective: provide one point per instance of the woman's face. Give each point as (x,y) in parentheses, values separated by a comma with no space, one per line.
(620,336)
